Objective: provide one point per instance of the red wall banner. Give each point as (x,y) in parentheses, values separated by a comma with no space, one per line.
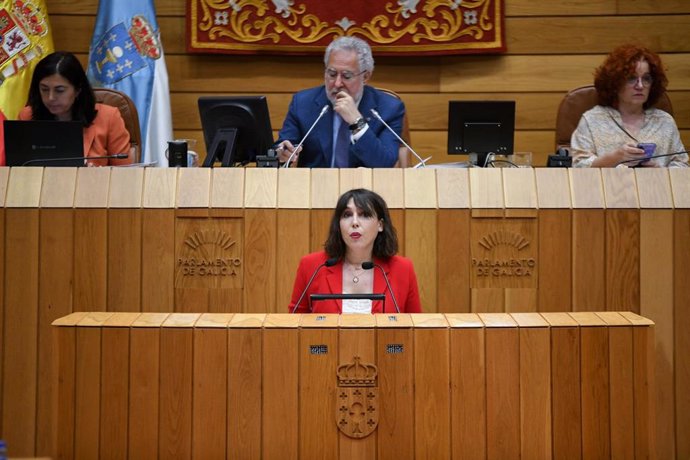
(392,27)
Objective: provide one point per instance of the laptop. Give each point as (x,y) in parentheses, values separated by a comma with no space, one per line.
(44,143)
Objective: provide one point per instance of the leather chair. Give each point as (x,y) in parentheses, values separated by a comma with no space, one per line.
(129,113)
(577,102)
(403,153)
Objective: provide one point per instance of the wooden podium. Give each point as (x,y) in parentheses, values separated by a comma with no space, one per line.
(494,385)
(228,240)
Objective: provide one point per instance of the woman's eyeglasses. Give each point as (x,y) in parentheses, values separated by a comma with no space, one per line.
(645,80)
(346,76)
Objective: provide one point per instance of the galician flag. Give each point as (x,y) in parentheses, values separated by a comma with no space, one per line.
(25,39)
(127,54)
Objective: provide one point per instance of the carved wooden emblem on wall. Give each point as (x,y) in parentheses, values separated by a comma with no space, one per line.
(357,402)
(504,253)
(208,253)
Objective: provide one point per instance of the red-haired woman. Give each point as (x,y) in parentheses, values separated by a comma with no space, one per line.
(629,82)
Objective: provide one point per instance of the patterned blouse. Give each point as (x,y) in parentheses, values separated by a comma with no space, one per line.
(600,131)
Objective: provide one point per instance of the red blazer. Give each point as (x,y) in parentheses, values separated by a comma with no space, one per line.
(329,280)
(107,135)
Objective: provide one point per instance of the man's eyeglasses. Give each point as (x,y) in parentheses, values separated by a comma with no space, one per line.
(346,76)
(645,80)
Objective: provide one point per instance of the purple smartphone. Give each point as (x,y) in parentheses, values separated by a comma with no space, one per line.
(648,147)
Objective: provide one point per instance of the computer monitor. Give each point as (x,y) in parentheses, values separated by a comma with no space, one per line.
(44,143)
(478,128)
(236,129)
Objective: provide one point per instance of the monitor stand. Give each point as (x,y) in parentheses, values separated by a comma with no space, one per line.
(478,159)
(222,148)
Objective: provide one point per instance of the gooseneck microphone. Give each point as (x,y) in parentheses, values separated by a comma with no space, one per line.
(640,160)
(370,265)
(421,162)
(296,149)
(328,263)
(119,156)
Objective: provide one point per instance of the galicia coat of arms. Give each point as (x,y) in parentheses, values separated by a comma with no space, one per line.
(122,51)
(357,402)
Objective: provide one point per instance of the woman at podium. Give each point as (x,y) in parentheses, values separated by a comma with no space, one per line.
(60,90)
(358,271)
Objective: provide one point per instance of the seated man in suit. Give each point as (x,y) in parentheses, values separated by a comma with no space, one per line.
(348,135)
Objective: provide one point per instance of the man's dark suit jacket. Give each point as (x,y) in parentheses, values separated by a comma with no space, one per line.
(377,148)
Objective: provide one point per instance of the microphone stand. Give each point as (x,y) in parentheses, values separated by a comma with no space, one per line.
(119,156)
(296,149)
(421,163)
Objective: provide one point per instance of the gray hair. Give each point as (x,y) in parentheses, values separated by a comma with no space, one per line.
(359,46)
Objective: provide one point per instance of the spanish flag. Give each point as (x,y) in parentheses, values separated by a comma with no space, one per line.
(25,38)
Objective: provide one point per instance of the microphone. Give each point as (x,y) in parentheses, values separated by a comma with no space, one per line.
(421,162)
(370,265)
(328,263)
(294,152)
(640,160)
(119,156)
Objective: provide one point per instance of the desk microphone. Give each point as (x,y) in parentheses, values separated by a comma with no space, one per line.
(119,156)
(640,160)
(296,149)
(421,162)
(370,265)
(328,263)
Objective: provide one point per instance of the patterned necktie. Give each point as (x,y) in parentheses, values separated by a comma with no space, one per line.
(342,146)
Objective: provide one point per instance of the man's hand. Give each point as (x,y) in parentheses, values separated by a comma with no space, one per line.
(284,151)
(345,107)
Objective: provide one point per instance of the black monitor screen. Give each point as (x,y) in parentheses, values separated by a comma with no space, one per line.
(481,127)
(236,129)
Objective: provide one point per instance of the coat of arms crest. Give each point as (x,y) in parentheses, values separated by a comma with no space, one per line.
(357,412)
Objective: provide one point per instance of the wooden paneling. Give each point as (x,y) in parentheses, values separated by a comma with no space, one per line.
(124,259)
(280,406)
(681,324)
(55,300)
(396,390)
(90,259)
(567,411)
(446,386)
(502,393)
(20,365)
(588,272)
(115,392)
(210,389)
(244,396)
(432,401)
(144,392)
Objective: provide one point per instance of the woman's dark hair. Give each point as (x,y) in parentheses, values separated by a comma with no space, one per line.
(67,66)
(386,242)
(619,65)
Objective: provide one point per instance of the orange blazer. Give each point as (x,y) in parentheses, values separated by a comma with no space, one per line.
(329,280)
(107,135)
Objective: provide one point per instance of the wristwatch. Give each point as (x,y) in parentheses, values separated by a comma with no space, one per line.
(358,124)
